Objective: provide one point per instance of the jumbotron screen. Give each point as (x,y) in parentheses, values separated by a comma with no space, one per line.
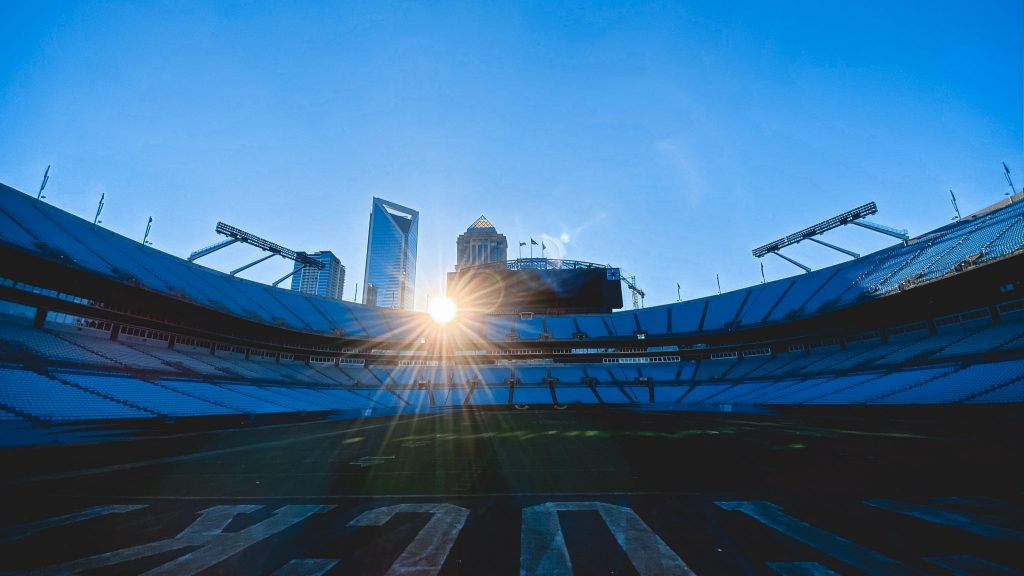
(498,290)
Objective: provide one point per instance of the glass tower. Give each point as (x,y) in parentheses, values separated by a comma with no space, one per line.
(391,255)
(329,282)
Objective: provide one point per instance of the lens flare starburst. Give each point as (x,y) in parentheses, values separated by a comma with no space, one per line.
(442,309)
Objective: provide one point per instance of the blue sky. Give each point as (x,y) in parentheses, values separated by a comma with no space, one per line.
(667,139)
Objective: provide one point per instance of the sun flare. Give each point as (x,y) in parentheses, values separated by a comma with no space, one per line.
(442,309)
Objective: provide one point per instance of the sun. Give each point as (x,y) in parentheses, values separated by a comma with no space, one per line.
(442,309)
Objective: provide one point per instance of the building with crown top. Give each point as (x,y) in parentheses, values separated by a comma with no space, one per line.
(480,244)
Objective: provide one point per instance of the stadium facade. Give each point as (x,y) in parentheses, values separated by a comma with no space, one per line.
(390,274)
(328,282)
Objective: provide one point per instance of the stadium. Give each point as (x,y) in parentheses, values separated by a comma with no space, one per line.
(162,417)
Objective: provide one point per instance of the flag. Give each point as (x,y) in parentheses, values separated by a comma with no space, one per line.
(542,246)
(533,242)
(522,243)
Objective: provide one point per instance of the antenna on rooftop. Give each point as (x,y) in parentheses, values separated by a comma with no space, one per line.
(99,209)
(719,281)
(46,178)
(149,226)
(1006,172)
(952,198)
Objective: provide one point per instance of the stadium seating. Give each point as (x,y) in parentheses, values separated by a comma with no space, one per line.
(532,395)
(151,397)
(65,368)
(41,397)
(223,397)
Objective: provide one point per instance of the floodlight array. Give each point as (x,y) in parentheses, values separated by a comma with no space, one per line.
(819,228)
(268,246)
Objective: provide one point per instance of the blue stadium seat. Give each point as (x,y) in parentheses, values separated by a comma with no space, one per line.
(669,393)
(575,395)
(793,304)
(489,395)
(611,394)
(223,397)
(762,300)
(561,327)
(623,323)
(722,310)
(702,392)
(593,326)
(151,397)
(531,395)
(47,399)
(417,400)
(531,374)
(531,329)
(959,385)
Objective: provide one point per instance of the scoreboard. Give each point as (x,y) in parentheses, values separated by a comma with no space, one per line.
(499,290)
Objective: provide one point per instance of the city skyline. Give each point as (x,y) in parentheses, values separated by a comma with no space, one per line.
(668,140)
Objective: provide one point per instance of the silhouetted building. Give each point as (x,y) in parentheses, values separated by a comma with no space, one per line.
(480,244)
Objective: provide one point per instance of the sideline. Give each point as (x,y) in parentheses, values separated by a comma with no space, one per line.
(194,455)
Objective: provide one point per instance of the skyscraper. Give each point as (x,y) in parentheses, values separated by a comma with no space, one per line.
(329,282)
(391,255)
(480,244)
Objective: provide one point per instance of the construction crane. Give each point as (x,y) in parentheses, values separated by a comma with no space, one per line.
(638,293)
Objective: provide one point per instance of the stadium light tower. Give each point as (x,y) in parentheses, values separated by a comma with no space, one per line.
(238,235)
(856,217)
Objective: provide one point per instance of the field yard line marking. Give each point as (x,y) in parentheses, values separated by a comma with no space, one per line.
(962,520)
(305,567)
(20,532)
(456,495)
(801,569)
(847,552)
(192,456)
(962,565)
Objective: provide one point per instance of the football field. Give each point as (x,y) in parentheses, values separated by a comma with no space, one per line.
(529,491)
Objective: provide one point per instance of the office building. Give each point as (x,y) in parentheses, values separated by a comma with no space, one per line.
(391,255)
(328,282)
(480,244)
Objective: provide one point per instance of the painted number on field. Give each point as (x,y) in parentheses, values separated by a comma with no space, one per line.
(543,545)
(427,552)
